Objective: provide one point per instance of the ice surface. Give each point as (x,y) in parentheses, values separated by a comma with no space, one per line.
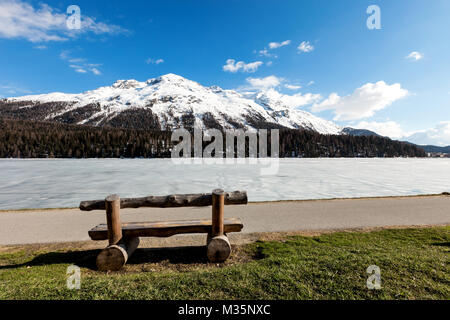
(64,183)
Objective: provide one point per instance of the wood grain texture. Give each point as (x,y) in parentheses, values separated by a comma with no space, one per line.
(218,201)
(171,201)
(219,249)
(112,204)
(166,228)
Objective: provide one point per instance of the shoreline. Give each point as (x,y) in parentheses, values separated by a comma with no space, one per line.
(192,158)
(261,202)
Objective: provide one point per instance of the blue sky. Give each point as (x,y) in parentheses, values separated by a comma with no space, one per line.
(394,80)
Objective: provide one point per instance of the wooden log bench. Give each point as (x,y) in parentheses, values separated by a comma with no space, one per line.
(124,237)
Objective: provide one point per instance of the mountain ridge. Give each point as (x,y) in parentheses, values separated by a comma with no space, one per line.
(164,103)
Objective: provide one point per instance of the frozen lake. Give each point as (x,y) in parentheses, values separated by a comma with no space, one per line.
(64,183)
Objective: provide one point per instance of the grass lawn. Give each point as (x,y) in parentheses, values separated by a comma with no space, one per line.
(414,264)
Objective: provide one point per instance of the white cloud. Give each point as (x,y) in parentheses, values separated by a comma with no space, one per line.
(266,53)
(154,61)
(20,20)
(415,55)
(310,83)
(294,101)
(268,86)
(74,60)
(96,71)
(264,83)
(233,66)
(80,70)
(275,45)
(438,136)
(305,46)
(80,65)
(41,47)
(292,87)
(269,82)
(389,129)
(363,102)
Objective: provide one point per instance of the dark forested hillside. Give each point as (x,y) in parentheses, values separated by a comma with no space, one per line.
(31,139)
(436,149)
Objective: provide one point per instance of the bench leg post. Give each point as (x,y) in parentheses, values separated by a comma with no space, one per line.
(120,249)
(112,204)
(219,248)
(114,257)
(218,203)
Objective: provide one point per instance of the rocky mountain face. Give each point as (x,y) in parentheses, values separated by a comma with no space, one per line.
(359,132)
(165,103)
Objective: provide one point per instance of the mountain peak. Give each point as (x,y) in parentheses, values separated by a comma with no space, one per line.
(133,84)
(168,78)
(172,77)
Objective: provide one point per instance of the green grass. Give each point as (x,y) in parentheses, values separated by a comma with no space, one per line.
(414,265)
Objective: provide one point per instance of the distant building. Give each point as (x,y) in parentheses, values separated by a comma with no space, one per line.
(438,155)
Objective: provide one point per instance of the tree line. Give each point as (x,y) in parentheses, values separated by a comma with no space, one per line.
(34,139)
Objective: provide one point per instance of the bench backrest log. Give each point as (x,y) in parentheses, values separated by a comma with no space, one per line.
(171,201)
(217,199)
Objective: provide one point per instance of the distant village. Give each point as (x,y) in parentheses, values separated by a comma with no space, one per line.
(438,155)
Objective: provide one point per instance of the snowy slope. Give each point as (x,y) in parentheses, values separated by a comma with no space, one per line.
(169,101)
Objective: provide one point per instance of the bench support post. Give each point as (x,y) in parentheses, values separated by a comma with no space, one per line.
(112,204)
(114,257)
(219,248)
(218,203)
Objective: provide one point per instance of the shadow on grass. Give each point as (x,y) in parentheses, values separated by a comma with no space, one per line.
(175,255)
(441,244)
(87,258)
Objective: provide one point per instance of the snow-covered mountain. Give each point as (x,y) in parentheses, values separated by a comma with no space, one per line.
(166,102)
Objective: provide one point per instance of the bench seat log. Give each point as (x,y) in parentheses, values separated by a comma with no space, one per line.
(172,201)
(165,228)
